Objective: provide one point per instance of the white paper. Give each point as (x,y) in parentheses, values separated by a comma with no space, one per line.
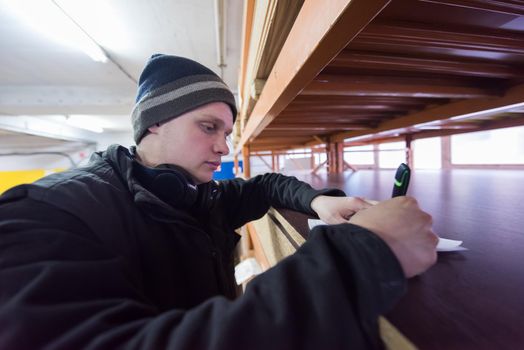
(449,245)
(247,269)
(443,245)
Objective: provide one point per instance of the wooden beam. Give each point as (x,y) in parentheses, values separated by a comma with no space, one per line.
(315,126)
(249,9)
(484,126)
(335,157)
(321,30)
(317,168)
(456,110)
(285,138)
(277,147)
(260,255)
(275,166)
(246,163)
(235,163)
(298,135)
(359,100)
(319,139)
(444,125)
(497,6)
(349,59)
(331,117)
(313,109)
(429,37)
(398,87)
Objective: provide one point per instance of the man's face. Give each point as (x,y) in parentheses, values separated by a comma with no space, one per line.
(196,140)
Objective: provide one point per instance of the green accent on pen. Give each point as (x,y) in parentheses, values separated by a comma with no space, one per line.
(399,183)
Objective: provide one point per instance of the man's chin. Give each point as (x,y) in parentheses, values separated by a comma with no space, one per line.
(203,178)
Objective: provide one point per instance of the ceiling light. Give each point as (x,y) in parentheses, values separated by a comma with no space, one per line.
(102,20)
(84,122)
(48,18)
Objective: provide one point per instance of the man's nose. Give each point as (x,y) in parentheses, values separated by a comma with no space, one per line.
(221,146)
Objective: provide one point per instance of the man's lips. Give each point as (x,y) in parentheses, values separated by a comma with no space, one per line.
(213,164)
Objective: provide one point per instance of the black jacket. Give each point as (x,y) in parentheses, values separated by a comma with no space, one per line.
(91,259)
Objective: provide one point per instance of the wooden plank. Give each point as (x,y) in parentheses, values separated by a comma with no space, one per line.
(383,62)
(307,50)
(392,86)
(246,164)
(236,164)
(449,38)
(456,110)
(382,100)
(316,126)
(336,117)
(249,9)
(280,138)
(314,109)
(392,89)
(484,126)
(507,7)
(260,255)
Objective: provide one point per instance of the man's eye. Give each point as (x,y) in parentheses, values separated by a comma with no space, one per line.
(208,127)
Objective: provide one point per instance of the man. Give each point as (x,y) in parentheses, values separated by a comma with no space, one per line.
(135,250)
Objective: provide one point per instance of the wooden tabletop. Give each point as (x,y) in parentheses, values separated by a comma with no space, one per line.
(471,299)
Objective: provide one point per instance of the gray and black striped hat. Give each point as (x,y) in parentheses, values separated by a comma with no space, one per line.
(170,86)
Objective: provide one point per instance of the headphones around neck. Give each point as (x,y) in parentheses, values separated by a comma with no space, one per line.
(175,186)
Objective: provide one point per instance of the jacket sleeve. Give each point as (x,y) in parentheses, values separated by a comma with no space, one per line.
(62,289)
(247,200)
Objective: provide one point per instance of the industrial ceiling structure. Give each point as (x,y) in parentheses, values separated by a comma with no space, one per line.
(50,89)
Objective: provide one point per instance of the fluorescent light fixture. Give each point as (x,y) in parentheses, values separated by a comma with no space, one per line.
(48,18)
(52,126)
(85,122)
(102,20)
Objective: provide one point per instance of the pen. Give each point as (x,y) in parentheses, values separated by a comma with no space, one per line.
(400,187)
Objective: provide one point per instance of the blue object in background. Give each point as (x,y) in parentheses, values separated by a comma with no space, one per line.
(227,170)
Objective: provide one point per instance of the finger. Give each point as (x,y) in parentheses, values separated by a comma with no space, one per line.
(358,203)
(371,202)
(346,215)
(335,220)
(433,238)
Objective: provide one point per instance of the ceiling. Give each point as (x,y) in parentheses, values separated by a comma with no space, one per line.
(42,78)
(417,68)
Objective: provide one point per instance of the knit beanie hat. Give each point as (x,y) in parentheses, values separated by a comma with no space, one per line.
(170,86)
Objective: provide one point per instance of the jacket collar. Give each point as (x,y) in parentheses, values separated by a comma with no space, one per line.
(121,160)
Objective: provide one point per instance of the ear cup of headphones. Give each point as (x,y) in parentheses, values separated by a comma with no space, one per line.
(169,183)
(174,189)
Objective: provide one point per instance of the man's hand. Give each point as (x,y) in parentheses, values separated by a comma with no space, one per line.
(337,210)
(405,228)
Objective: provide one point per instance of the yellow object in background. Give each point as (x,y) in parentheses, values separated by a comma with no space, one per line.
(10,179)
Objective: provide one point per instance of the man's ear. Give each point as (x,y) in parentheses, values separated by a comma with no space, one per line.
(154,129)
